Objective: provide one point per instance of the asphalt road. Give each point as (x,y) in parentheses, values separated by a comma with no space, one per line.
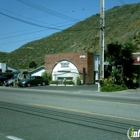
(82,114)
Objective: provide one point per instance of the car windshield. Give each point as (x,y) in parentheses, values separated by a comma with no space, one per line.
(1,76)
(14,77)
(30,77)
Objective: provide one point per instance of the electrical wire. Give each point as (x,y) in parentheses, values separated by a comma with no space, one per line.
(35,24)
(122,1)
(46,10)
(21,40)
(22,16)
(28,22)
(22,34)
(12,36)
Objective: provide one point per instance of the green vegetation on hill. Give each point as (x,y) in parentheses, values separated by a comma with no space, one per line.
(3,57)
(122,24)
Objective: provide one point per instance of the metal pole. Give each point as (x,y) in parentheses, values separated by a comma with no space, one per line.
(139,76)
(102,25)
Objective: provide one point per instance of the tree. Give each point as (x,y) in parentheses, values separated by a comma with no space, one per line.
(32,64)
(120,59)
(47,76)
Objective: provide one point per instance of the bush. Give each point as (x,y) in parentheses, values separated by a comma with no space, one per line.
(112,88)
(132,84)
(47,76)
(70,83)
(54,82)
(64,82)
(78,81)
(109,86)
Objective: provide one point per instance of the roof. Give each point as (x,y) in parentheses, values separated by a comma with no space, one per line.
(37,69)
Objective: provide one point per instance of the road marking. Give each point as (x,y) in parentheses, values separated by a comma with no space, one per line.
(13,138)
(114,102)
(75,110)
(82,111)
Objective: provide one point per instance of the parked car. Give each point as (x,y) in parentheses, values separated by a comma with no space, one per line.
(5,77)
(32,81)
(10,82)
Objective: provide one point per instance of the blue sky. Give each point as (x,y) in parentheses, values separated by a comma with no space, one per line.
(22,21)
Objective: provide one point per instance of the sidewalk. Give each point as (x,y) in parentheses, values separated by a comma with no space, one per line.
(130,93)
(127,91)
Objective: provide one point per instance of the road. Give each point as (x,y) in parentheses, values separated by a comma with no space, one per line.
(54,113)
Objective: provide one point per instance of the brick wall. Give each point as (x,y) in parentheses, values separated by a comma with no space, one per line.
(85,62)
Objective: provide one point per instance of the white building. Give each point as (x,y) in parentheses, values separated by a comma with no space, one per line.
(38,71)
(4,68)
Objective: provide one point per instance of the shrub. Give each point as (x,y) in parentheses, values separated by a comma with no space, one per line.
(109,86)
(60,82)
(70,83)
(47,76)
(54,82)
(113,87)
(78,81)
(132,84)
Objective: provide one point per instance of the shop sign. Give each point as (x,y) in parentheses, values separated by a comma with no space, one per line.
(64,64)
(82,56)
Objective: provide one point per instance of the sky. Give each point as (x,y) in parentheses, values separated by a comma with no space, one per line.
(23,21)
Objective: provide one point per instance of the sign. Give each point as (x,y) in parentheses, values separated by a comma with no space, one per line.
(20,76)
(132,133)
(136,57)
(96,62)
(65,69)
(82,56)
(64,64)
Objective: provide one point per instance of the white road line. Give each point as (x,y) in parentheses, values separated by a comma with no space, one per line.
(13,138)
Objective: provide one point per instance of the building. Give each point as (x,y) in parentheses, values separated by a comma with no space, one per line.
(136,57)
(69,66)
(38,71)
(5,68)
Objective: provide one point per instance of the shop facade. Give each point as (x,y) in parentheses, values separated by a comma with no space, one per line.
(69,66)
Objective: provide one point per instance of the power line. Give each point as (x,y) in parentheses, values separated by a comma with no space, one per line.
(38,25)
(17,32)
(28,22)
(22,16)
(12,36)
(21,40)
(22,34)
(122,1)
(46,10)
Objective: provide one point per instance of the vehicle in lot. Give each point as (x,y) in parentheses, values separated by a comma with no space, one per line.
(33,81)
(12,81)
(5,77)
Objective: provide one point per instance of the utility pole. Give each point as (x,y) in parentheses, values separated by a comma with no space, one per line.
(102,27)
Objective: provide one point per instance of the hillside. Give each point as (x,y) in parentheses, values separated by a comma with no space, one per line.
(3,57)
(122,24)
